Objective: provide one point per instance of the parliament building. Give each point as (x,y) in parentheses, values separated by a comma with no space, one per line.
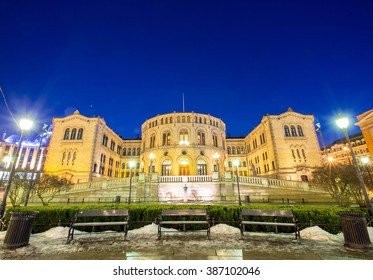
(84,149)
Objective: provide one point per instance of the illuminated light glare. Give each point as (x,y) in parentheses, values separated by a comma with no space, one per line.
(7,159)
(216,156)
(365,160)
(151,156)
(330,159)
(25,124)
(132,164)
(236,162)
(342,123)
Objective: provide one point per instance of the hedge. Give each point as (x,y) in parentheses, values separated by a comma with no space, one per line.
(143,214)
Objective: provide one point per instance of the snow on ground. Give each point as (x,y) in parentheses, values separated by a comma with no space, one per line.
(314,240)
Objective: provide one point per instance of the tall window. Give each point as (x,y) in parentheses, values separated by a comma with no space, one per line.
(215,140)
(300,131)
(229,150)
(138,151)
(74,158)
(129,152)
(184,137)
(80,134)
(67,133)
(63,158)
(152,141)
(201,138)
(202,167)
(287,131)
(166,168)
(73,134)
(293,131)
(166,139)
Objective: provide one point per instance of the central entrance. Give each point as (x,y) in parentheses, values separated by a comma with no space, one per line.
(184,169)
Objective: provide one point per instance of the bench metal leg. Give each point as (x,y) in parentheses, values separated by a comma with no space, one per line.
(242,229)
(159,232)
(70,235)
(125,232)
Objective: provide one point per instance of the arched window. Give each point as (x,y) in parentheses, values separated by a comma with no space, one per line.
(293,131)
(124,152)
(300,131)
(184,137)
(229,150)
(233,150)
(80,134)
(74,158)
(201,138)
(63,158)
(67,133)
(68,158)
(200,119)
(73,134)
(166,139)
(287,131)
(171,119)
(215,140)
(238,150)
(166,121)
(138,151)
(166,168)
(152,141)
(183,119)
(178,119)
(162,121)
(202,167)
(133,151)
(243,149)
(188,119)
(129,152)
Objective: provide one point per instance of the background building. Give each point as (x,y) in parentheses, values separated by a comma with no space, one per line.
(365,122)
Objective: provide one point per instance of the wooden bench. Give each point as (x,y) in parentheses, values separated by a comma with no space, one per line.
(184,217)
(288,215)
(93,214)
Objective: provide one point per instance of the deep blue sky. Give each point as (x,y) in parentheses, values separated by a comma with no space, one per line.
(238,60)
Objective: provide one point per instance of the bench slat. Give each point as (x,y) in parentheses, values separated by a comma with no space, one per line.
(267,223)
(267,213)
(184,212)
(103,213)
(100,224)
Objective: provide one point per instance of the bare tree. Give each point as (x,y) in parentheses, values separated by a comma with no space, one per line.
(341,182)
(47,187)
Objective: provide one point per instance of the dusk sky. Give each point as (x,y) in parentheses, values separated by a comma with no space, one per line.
(128,61)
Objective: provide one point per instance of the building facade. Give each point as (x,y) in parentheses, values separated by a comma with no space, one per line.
(282,146)
(365,122)
(31,156)
(339,152)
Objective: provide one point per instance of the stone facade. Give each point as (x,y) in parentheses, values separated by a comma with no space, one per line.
(282,146)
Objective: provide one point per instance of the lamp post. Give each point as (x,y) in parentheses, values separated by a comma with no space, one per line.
(342,123)
(24,126)
(236,163)
(365,161)
(37,159)
(131,165)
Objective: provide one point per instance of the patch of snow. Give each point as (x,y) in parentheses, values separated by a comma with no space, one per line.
(224,229)
(318,234)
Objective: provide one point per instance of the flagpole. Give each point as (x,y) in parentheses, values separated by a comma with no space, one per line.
(183,103)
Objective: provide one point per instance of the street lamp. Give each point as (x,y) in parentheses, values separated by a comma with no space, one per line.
(24,126)
(342,123)
(365,161)
(131,165)
(151,158)
(236,163)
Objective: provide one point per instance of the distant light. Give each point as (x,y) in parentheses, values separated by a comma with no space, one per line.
(132,164)
(330,159)
(184,142)
(151,156)
(216,156)
(365,160)
(236,162)
(342,122)
(7,159)
(25,124)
